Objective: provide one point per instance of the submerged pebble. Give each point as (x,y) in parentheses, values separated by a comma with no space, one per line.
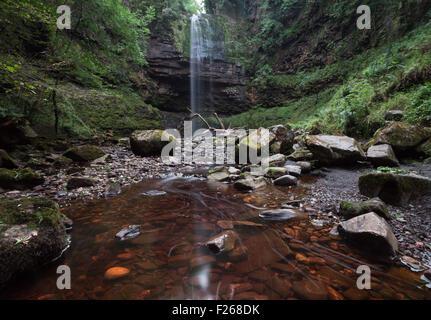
(154,193)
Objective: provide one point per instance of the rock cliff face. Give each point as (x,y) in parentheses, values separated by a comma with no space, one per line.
(170,71)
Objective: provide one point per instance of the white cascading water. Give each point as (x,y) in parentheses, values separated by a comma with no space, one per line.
(201,49)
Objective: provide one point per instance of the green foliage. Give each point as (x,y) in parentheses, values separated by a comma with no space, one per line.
(352,104)
(419,111)
(105,51)
(392,170)
(361,89)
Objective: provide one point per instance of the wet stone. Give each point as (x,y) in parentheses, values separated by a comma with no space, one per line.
(112,190)
(154,193)
(283,215)
(294,170)
(286,181)
(116,273)
(305,166)
(223,242)
(370,231)
(129,233)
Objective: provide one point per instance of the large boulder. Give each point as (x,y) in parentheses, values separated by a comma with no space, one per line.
(19,179)
(148,143)
(6,161)
(32,233)
(371,232)
(334,149)
(351,209)
(382,155)
(393,187)
(401,136)
(85,153)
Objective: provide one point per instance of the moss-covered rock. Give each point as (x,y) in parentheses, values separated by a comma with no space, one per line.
(277,160)
(85,153)
(394,188)
(34,234)
(301,154)
(425,148)
(148,143)
(401,136)
(250,183)
(349,209)
(276,172)
(62,161)
(35,163)
(20,179)
(218,174)
(6,161)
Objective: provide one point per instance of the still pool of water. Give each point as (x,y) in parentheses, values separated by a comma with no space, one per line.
(277,260)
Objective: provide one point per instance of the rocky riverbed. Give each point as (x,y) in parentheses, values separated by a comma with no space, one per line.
(411,223)
(101,170)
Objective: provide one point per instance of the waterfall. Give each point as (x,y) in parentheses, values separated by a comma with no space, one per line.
(201,53)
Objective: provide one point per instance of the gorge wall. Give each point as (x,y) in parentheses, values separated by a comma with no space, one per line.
(170,70)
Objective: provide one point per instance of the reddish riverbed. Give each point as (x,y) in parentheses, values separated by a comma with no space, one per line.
(284,260)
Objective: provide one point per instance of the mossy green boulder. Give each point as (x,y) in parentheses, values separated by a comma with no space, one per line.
(20,179)
(85,153)
(394,188)
(148,143)
(33,233)
(6,161)
(62,161)
(350,209)
(401,136)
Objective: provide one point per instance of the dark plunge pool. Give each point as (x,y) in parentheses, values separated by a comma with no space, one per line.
(276,260)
